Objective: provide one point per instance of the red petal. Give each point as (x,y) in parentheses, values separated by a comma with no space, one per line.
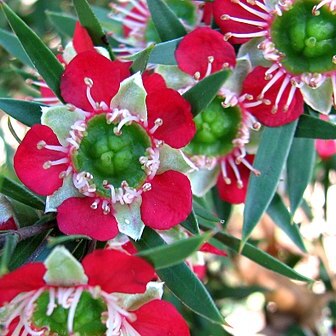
(81,39)
(192,54)
(178,126)
(117,272)
(29,160)
(200,271)
(24,279)
(325,148)
(231,193)
(207,13)
(8,225)
(75,216)
(153,82)
(159,318)
(169,201)
(212,249)
(229,7)
(254,84)
(105,74)
(129,248)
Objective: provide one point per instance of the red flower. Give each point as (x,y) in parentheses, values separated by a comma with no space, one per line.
(108,143)
(118,311)
(325,148)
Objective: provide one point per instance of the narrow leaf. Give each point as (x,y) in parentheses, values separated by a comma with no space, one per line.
(272,154)
(89,20)
(140,59)
(182,282)
(203,93)
(65,24)
(282,218)
(204,213)
(315,128)
(13,46)
(300,165)
(222,240)
(191,223)
(29,113)
(169,255)
(164,53)
(41,56)
(19,193)
(11,241)
(166,22)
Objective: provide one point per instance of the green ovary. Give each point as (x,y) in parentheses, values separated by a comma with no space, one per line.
(216,127)
(308,41)
(87,320)
(110,157)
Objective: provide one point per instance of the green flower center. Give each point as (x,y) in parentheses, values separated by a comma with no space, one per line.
(307,41)
(112,158)
(87,318)
(216,128)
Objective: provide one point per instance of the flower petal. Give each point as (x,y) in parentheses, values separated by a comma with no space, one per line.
(232,193)
(231,8)
(24,279)
(153,82)
(160,318)
(29,160)
(254,84)
(178,127)
(208,248)
(105,74)
(81,39)
(194,53)
(75,216)
(125,273)
(168,203)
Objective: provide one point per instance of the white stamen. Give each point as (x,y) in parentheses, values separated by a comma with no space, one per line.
(49,164)
(157,123)
(250,22)
(72,310)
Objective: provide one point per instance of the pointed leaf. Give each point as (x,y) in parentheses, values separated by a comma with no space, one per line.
(315,128)
(29,113)
(89,20)
(13,46)
(183,282)
(203,93)
(19,193)
(271,156)
(204,214)
(223,240)
(166,22)
(11,240)
(164,52)
(41,56)
(300,165)
(191,223)
(65,24)
(169,255)
(282,218)
(140,59)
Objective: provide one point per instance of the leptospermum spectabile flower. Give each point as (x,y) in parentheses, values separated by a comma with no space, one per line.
(223,128)
(107,162)
(63,297)
(299,53)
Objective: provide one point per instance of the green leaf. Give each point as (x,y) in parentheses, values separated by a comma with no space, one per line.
(164,53)
(89,20)
(203,93)
(315,128)
(272,153)
(65,24)
(282,218)
(182,282)
(19,193)
(202,213)
(169,255)
(11,241)
(13,46)
(41,56)
(300,165)
(222,240)
(191,223)
(166,22)
(53,241)
(140,59)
